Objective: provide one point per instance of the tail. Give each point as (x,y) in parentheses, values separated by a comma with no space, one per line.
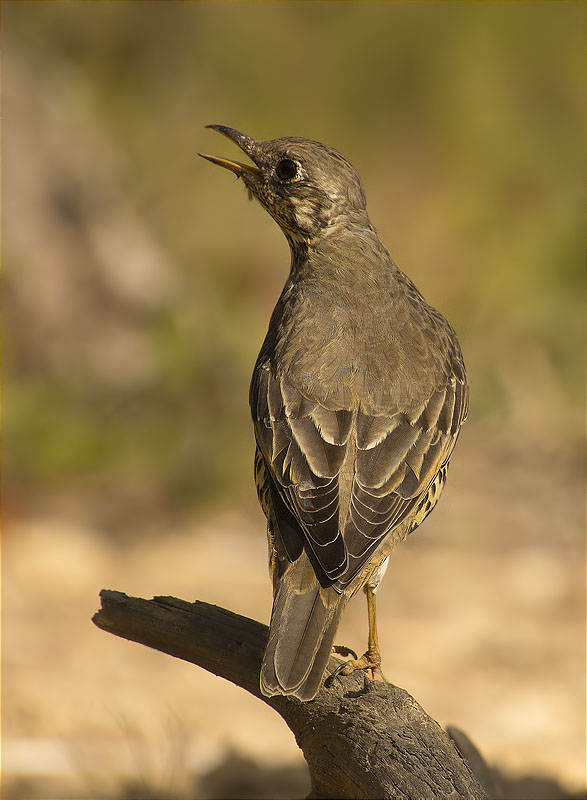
(304,620)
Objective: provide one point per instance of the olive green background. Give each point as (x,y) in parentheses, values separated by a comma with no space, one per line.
(137,287)
(465,121)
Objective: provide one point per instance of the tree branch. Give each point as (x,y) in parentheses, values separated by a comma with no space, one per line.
(361,739)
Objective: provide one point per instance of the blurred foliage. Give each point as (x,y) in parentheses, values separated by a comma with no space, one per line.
(139,281)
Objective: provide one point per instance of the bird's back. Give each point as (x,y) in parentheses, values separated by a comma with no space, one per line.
(357,397)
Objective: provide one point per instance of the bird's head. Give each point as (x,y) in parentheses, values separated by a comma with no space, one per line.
(306,186)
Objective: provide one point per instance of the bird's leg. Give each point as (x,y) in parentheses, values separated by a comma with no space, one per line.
(373,653)
(371,659)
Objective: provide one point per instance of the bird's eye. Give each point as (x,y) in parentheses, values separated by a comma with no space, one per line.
(286,169)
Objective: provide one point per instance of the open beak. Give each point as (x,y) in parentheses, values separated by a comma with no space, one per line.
(246,144)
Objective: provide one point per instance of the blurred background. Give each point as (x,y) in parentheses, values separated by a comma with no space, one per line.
(138,285)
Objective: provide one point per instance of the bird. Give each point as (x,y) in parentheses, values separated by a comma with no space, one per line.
(357,398)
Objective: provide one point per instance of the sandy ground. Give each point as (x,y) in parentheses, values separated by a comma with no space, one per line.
(481,619)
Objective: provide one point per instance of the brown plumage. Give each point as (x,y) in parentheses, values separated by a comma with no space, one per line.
(357,398)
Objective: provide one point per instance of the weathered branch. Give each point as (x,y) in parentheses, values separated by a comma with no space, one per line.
(361,739)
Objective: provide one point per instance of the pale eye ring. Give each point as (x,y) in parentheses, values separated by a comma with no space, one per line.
(286,169)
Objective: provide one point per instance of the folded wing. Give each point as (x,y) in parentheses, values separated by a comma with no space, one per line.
(347,476)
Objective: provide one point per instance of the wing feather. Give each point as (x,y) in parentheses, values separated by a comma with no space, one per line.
(349,476)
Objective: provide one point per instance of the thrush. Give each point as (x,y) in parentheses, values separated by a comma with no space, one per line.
(357,398)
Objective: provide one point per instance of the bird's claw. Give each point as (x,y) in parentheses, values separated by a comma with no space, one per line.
(343,650)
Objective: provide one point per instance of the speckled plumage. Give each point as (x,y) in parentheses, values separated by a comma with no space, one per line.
(357,398)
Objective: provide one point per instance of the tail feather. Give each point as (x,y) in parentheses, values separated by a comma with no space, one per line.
(303,627)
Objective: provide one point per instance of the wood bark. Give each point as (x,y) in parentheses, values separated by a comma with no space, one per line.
(361,739)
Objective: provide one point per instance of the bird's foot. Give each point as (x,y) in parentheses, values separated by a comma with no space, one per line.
(369,661)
